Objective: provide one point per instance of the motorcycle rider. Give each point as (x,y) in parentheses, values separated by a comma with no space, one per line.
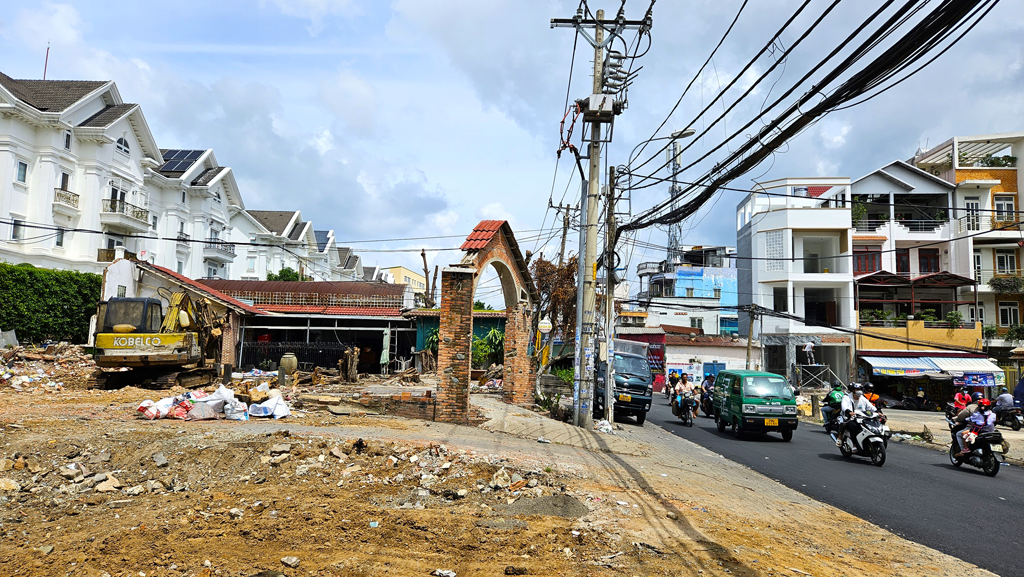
(962,399)
(854,405)
(870,395)
(983,420)
(962,418)
(1003,401)
(673,380)
(833,401)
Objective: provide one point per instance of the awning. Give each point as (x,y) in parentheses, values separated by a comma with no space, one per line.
(901,366)
(971,372)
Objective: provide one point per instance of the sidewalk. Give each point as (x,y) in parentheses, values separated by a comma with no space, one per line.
(519,422)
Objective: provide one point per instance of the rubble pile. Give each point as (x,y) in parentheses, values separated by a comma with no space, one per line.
(49,369)
(490,381)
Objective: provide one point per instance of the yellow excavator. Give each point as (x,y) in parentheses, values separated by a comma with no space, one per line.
(159,351)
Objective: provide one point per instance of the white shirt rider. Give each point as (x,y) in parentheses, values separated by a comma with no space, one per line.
(860,407)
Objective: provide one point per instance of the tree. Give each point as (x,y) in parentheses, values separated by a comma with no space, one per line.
(482,306)
(556,287)
(286,274)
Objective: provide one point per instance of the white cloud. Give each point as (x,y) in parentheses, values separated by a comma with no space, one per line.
(495,211)
(323,142)
(825,168)
(444,222)
(833,133)
(352,99)
(57,24)
(316,10)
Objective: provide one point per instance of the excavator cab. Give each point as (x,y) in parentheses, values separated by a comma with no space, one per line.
(145,314)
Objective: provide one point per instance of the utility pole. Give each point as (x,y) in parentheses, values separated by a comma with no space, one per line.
(609,297)
(565,233)
(675,230)
(599,111)
(750,334)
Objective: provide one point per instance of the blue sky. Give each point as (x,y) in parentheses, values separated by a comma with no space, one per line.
(421,117)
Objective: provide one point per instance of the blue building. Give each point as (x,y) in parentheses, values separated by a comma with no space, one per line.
(693,288)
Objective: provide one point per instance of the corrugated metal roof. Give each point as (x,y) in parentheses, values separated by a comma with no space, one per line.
(955,365)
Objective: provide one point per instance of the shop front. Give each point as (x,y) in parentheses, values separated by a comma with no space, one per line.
(932,378)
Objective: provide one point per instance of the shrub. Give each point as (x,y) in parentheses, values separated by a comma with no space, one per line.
(955,319)
(43,304)
(1007,284)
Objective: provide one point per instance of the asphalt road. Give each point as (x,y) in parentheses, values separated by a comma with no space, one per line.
(917,494)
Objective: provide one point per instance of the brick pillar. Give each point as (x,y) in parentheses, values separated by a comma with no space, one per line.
(519,375)
(454,346)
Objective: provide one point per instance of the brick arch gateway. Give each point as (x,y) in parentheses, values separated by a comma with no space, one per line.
(490,244)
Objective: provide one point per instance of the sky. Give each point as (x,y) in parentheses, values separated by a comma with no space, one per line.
(419,118)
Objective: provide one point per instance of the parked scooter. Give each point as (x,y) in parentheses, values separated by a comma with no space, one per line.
(872,439)
(986,451)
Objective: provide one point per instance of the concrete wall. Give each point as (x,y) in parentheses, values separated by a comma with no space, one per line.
(969,338)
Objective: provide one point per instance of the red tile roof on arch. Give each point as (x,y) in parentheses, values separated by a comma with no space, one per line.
(482,234)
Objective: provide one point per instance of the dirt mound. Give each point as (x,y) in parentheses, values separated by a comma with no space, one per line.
(556,505)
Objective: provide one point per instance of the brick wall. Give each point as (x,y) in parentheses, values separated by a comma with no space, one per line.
(455,341)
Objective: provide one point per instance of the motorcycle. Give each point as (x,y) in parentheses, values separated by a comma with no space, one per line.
(1010,418)
(951,411)
(706,403)
(986,451)
(872,439)
(686,403)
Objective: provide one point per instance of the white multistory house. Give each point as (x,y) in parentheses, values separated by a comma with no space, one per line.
(190,196)
(271,240)
(794,253)
(987,215)
(73,160)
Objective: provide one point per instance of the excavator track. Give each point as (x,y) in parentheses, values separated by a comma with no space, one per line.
(153,378)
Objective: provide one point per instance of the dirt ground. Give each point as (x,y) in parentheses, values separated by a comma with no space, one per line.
(383,496)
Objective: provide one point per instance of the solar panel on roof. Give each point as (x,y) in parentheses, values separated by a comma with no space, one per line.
(194,154)
(180,154)
(171,166)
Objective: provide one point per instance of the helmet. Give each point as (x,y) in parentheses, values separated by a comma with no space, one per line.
(977,397)
(836,386)
(857,388)
(984,404)
(869,387)
(1004,390)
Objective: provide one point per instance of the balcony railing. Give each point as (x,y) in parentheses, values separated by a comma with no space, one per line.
(984,276)
(643,295)
(183,238)
(65,197)
(111,205)
(108,255)
(894,324)
(221,246)
(976,223)
(872,225)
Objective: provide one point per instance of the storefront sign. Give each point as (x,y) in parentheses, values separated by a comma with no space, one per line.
(898,372)
(980,380)
(694,370)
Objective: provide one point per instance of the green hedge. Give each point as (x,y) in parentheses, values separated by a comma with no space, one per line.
(42,304)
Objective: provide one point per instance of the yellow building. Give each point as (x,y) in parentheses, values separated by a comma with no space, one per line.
(405,276)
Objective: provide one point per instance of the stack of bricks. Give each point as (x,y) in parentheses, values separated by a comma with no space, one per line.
(412,406)
(455,341)
(227,343)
